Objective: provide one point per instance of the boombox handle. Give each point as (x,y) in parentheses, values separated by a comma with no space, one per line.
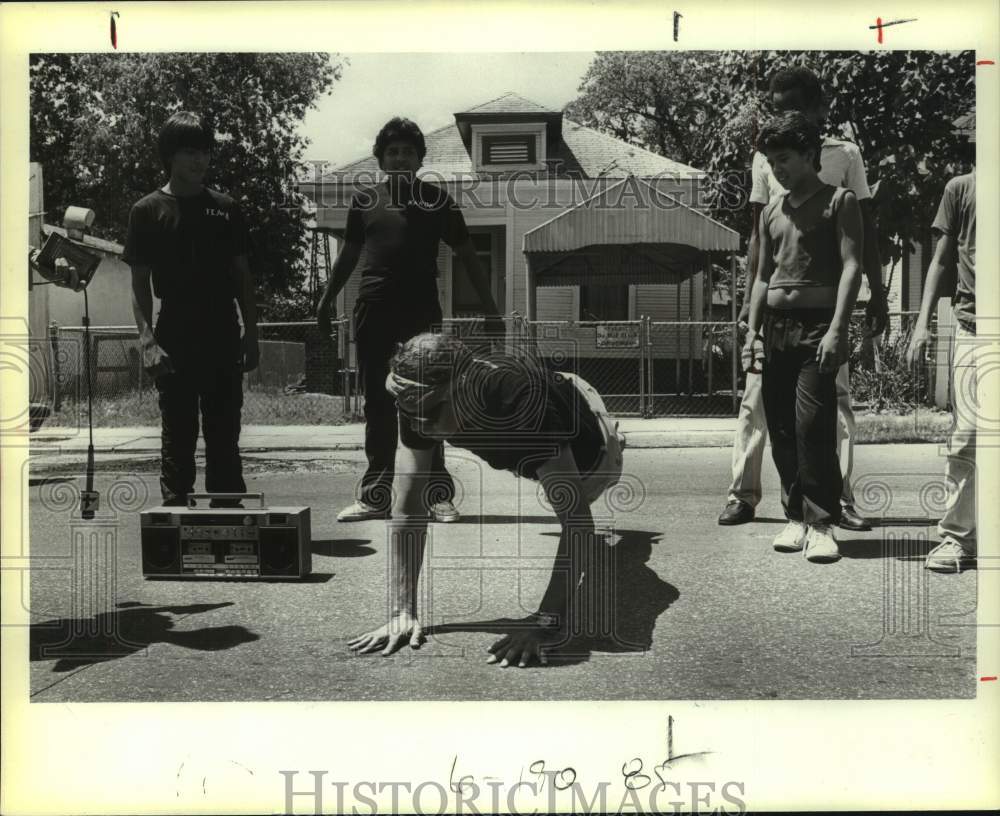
(258,496)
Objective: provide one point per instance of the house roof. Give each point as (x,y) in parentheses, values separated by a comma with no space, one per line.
(579,152)
(510,103)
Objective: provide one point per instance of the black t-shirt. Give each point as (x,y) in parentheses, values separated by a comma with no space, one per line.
(189,243)
(514,415)
(401,227)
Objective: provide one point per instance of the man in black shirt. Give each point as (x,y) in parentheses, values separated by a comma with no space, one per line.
(399,224)
(190,243)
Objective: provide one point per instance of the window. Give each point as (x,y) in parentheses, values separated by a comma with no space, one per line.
(604,303)
(514,149)
(465,299)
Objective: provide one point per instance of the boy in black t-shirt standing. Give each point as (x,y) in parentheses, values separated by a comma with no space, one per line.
(190,243)
(399,224)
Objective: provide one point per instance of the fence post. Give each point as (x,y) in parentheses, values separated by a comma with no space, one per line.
(54,369)
(642,367)
(711,354)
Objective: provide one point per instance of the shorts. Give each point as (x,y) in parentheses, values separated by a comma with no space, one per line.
(608,470)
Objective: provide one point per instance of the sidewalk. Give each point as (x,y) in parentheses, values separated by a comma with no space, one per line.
(664,432)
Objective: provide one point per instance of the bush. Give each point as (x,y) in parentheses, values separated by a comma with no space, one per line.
(880,377)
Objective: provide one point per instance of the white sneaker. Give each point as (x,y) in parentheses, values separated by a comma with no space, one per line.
(821,546)
(791,538)
(444,511)
(361,511)
(949,556)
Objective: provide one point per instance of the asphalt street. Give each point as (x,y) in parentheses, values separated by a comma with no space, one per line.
(701,611)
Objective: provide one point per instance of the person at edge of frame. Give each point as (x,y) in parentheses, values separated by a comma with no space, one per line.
(798,89)
(399,223)
(807,281)
(190,242)
(955,225)
(519,416)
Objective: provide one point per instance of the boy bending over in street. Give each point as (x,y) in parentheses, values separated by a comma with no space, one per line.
(807,280)
(517,416)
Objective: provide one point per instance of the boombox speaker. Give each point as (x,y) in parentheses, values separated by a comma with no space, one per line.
(226,542)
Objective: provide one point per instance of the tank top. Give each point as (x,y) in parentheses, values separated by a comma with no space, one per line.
(804,243)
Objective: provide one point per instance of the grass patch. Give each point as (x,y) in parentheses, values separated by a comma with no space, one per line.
(259,408)
(924,425)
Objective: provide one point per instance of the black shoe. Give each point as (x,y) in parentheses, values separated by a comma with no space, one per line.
(736,512)
(851,520)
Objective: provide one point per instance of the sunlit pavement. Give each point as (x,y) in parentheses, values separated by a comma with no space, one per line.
(700,611)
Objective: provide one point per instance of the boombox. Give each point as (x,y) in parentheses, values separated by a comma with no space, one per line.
(269,543)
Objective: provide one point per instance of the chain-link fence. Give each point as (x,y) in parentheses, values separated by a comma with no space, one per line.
(692,367)
(640,367)
(302,377)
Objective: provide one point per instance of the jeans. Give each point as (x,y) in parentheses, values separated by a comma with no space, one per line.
(959,520)
(218,392)
(800,403)
(378,329)
(751,439)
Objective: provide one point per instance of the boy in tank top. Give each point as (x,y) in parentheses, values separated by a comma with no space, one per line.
(808,278)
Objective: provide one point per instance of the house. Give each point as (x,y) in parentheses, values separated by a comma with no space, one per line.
(570,224)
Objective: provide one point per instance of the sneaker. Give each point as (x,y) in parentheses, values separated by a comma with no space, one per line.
(821,546)
(361,511)
(444,511)
(792,538)
(949,556)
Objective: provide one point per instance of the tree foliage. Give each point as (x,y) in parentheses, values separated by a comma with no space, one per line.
(705,108)
(95,120)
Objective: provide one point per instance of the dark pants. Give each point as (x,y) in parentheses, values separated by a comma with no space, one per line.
(218,391)
(378,328)
(800,403)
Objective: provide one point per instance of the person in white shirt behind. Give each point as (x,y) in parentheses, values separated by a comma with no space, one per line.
(798,89)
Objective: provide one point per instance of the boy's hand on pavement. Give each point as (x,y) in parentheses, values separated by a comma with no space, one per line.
(401,628)
(519,649)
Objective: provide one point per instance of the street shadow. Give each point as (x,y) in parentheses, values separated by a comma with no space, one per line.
(638,595)
(38,481)
(862,548)
(903,521)
(343,547)
(768,520)
(129,628)
(512,519)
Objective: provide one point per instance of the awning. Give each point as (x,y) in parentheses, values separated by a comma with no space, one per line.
(630,211)
(615,264)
